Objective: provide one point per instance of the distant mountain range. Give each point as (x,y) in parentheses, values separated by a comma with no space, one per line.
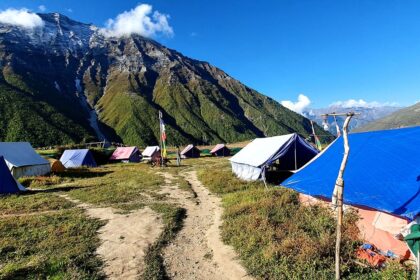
(367,115)
(405,117)
(67,82)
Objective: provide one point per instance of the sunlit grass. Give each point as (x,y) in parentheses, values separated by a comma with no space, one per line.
(58,245)
(52,238)
(277,237)
(114,184)
(32,202)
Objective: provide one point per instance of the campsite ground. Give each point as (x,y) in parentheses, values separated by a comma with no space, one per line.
(76,224)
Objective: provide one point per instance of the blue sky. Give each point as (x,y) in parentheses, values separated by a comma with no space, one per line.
(327,50)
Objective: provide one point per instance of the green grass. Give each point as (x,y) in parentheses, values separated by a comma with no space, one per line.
(115,184)
(58,241)
(32,202)
(276,237)
(53,246)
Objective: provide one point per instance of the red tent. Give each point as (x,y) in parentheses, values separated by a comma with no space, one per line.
(220,150)
(126,154)
(190,151)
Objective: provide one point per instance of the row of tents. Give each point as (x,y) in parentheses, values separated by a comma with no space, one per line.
(382,177)
(133,154)
(19,159)
(191,151)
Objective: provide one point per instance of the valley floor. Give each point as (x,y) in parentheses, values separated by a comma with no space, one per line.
(131,221)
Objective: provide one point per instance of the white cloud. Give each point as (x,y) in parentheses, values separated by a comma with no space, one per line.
(22,17)
(42,8)
(361,104)
(70,10)
(299,106)
(141,20)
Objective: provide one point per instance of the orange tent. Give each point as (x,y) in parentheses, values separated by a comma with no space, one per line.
(56,166)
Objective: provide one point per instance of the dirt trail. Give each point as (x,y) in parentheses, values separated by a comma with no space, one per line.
(197,251)
(125,238)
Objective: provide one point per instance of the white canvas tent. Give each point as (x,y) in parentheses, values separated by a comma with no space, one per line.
(22,160)
(151,152)
(291,150)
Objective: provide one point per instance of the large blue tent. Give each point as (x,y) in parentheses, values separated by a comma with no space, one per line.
(77,158)
(383,171)
(8,184)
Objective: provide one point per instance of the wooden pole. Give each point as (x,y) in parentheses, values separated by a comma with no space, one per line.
(160,138)
(313,130)
(295,157)
(337,198)
(418,265)
(338,193)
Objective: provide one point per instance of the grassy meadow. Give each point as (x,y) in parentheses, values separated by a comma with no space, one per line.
(43,235)
(276,237)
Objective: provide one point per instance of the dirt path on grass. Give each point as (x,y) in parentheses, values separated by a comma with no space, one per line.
(124,239)
(197,252)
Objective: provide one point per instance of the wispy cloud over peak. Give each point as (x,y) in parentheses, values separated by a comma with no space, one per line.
(21,17)
(42,8)
(351,103)
(299,106)
(141,20)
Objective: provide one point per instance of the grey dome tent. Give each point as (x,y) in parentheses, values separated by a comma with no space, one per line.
(291,151)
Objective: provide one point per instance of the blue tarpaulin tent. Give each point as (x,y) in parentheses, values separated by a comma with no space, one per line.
(77,158)
(383,171)
(8,184)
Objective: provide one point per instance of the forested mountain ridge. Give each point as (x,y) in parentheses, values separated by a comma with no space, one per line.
(66,82)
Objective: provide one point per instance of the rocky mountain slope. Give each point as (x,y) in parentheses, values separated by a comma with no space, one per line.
(66,82)
(406,117)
